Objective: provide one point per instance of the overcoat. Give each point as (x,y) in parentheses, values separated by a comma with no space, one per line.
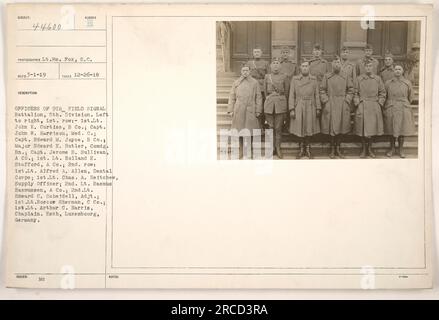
(360,66)
(348,68)
(305,101)
(336,93)
(277,89)
(398,115)
(258,69)
(370,96)
(245,101)
(387,73)
(288,68)
(318,67)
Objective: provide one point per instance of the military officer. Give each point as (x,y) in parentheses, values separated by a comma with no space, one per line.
(287,66)
(336,93)
(387,72)
(276,86)
(317,65)
(398,116)
(258,69)
(305,109)
(347,67)
(361,64)
(245,105)
(369,98)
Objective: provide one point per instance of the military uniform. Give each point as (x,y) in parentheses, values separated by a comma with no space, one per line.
(288,68)
(305,101)
(245,101)
(362,62)
(387,73)
(275,106)
(348,68)
(370,96)
(336,93)
(318,67)
(398,116)
(258,70)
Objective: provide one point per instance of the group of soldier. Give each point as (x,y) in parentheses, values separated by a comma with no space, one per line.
(311,99)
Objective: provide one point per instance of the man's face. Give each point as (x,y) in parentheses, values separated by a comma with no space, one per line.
(388,61)
(245,72)
(316,52)
(275,66)
(336,65)
(285,54)
(344,54)
(368,67)
(398,71)
(304,68)
(368,52)
(257,53)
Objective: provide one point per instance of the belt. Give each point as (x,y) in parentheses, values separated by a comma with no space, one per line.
(398,100)
(337,95)
(369,98)
(305,97)
(276,94)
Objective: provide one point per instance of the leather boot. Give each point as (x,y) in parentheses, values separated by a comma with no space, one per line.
(363,153)
(400,146)
(338,151)
(392,148)
(370,150)
(308,151)
(301,153)
(332,153)
(278,150)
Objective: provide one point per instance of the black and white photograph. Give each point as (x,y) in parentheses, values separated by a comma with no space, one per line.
(317,89)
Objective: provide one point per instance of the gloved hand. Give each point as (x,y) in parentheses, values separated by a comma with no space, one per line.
(293,114)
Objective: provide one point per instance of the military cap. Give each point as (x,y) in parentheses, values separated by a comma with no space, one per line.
(344,48)
(275,59)
(368,46)
(285,48)
(317,46)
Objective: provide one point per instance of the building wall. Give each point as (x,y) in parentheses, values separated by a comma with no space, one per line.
(352,36)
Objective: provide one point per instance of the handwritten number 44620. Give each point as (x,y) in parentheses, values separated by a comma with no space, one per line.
(46,26)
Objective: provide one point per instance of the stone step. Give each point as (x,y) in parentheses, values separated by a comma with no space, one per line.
(225,124)
(350,150)
(349,155)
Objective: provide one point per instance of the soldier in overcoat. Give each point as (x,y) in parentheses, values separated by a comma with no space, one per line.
(387,72)
(245,105)
(276,86)
(317,65)
(369,98)
(347,67)
(336,93)
(305,108)
(361,64)
(287,66)
(398,115)
(258,69)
